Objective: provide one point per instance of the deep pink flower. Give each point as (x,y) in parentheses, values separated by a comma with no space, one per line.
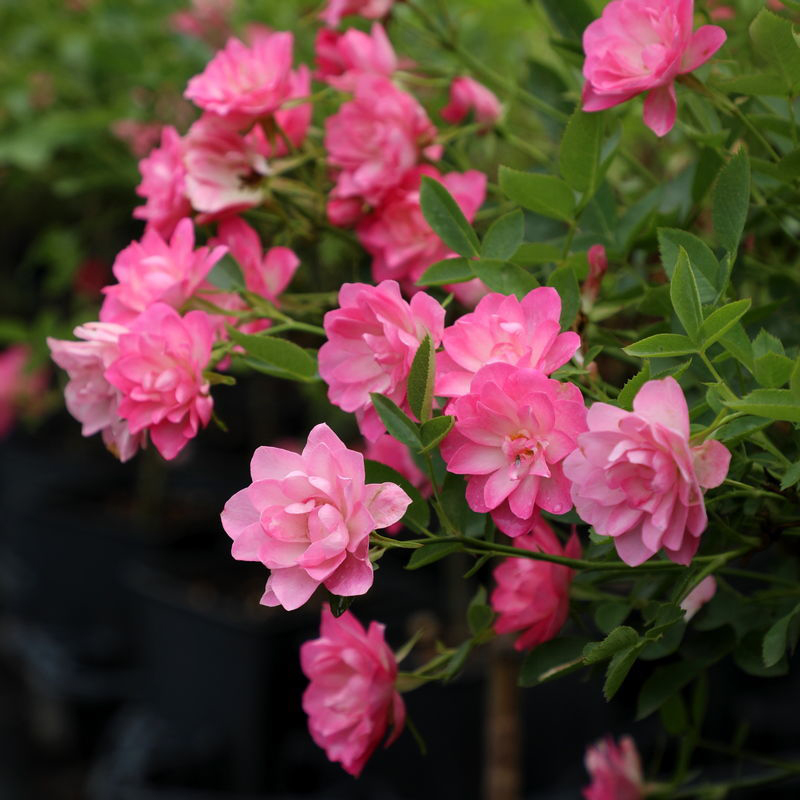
(89,397)
(308,518)
(153,271)
(372,339)
(616,771)
(636,477)
(159,373)
(468,95)
(342,57)
(351,700)
(371,9)
(532,597)
(375,138)
(245,82)
(642,46)
(512,432)
(598,264)
(525,333)
(21,389)
(699,596)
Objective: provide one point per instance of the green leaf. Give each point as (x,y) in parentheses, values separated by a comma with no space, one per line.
(773,40)
(738,344)
(418,513)
(458,659)
(791,476)
(765,84)
(618,669)
(275,356)
(776,639)
(434,430)
(398,424)
(619,639)
(662,345)
(479,614)
(504,237)
(569,17)
(339,604)
(564,281)
(552,659)
(685,296)
(632,386)
(446,218)
(544,194)
(420,380)
(537,253)
(707,271)
(429,553)
(579,156)
(719,322)
(772,370)
(504,277)
(450,270)
(226,274)
(777,404)
(609,615)
(731,199)
(662,684)
(673,715)
(794,378)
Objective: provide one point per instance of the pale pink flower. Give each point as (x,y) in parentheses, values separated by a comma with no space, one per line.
(21,389)
(205,19)
(372,339)
(342,57)
(532,597)
(163,185)
(699,596)
(141,137)
(152,271)
(375,138)
(351,700)
(636,477)
(245,82)
(371,9)
(512,432)
(642,46)
(616,771)
(89,397)
(308,518)
(525,333)
(598,264)
(159,373)
(468,95)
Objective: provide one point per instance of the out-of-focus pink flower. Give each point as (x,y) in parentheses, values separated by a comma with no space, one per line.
(642,46)
(153,271)
(141,137)
(351,700)
(512,433)
(308,518)
(717,9)
(20,389)
(525,333)
(342,57)
(598,264)
(89,397)
(159,373)
(371,9)
(163,185)
(532,597)
(468,95)
(245,82)
(699,596)
(387,450)
(372,339)
(398,236)
(616,771)
(375,138)
(205,19)
(636,477)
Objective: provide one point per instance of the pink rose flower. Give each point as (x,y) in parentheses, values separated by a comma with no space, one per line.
(468,95)
(525,333)
(397,235)
(371,9)
(642,46)
(532,597)
(372,339)
(342,57)
(615,770)
(163,185)
(598,264)
(159,373)
(152,271)
(205,19)
(308,518)
(636,477)
(21,389)
(375,138)
(89,397)
(511,435)
(699,596)
(243,82)
(351,700)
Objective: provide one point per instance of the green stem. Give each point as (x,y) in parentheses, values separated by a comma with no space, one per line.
(717,377)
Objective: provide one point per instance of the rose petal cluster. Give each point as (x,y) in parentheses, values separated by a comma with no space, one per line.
(335,10)
(637,478)
(467,95)
(342,57)
(598,265)
(615,769)
(351,700)
(307,517)
(20,387)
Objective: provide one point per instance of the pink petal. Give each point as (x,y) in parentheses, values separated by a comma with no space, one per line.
(711,462)
(386,502)
(353,577)
(663,402)
(705,42)
(660,109)
(291,587)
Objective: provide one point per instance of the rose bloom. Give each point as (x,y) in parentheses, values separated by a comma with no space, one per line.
(308,518)
(598,264)
(468,95)
(375,138)
(163,185)
(532,597)
(20,389)
(89,397)
(371,9)
(372,339)
(342,57)
(511,435)
(636,477)
(616,771)
(244,82)
(351,700)
(642,46)
(525,333)
(699,596)
(153,271)
(159,373)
